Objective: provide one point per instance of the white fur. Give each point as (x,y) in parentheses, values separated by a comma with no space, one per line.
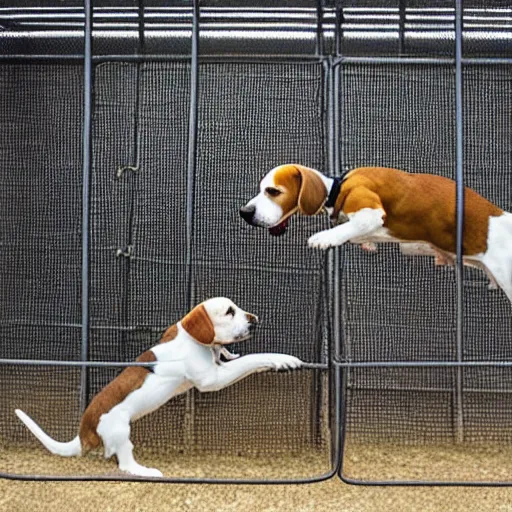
(498,257)
(267,213)
(183,363)
(64,449)
(361,223)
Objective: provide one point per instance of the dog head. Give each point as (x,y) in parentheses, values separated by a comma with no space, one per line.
(285,190)
(219,321)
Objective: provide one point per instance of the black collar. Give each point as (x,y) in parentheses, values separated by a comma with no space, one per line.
(333,194)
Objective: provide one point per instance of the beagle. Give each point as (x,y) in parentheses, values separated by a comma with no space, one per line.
(375,205)
(186,357)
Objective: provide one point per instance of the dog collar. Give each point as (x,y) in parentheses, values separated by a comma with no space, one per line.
(333,194)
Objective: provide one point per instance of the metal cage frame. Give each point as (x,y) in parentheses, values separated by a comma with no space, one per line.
(332,61)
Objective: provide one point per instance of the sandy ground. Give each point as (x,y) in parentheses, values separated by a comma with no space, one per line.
(490,463)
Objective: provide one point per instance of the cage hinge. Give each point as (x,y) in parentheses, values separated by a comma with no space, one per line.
(121,170)
(126,252)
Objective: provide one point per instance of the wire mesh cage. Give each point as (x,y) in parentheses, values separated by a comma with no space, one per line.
(132,133)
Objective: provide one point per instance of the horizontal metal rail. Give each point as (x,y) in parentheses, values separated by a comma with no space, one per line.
(422,364)
(260,59)
(164,480)
(115,364)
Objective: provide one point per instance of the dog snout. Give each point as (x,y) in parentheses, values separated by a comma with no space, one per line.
(247,213)
(252,319)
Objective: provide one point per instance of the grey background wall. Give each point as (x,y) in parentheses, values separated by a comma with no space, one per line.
(251,117)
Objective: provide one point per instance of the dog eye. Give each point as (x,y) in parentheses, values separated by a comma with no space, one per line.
(272,192)
(230,311)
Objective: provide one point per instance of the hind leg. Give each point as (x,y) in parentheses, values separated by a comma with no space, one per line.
(501,270)
(114,430)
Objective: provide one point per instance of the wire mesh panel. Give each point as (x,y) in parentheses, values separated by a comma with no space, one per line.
(139,277)
(139,194)
(40,260)
(251,118)
(401,308)
(148,260)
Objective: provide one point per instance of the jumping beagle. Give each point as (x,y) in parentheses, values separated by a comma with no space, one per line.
(187,357)
(375,204)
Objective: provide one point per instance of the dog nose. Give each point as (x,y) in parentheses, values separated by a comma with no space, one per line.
(247,213)
(252,319)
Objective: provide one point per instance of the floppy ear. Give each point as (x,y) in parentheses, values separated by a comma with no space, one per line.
(312,193)
(198,324)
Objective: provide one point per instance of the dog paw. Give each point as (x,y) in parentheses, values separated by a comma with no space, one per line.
(285,362)
(369,247)
(321,240)
(139,470)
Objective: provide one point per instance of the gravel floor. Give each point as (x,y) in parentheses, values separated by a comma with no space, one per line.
(361,461)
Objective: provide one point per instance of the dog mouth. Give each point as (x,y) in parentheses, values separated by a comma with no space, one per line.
(237,339)
(279,229)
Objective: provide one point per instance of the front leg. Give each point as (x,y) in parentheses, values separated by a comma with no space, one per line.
(360,223)
(219,377)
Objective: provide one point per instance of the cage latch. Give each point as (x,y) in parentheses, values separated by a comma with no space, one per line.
(126,252)
(121,170)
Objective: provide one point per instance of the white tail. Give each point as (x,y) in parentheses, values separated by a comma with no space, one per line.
(65,449)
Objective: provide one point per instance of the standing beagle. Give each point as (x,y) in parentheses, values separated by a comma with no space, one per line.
(375,204)
(187,356)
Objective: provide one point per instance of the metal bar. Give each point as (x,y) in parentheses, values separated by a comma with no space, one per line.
(396,60)
(424,364)
(338,429)
(86,173)
(459,185)
(210,481)
(336,261)
(191,172)
(295,59)
(116,364)
(422,483)
(192,147)
(416,389)
(423,60)
(343,383)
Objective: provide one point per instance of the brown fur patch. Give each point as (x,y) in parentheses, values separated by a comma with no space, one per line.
(198,324)
(169,334)
(312,193)
(418,207)
(287,180)
(115,392)
(301,188)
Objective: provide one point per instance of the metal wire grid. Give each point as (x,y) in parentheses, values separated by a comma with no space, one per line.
(379,379)
(340,365)
(91,374)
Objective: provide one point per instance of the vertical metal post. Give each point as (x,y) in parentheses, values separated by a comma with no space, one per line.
(335,263)
(86,172)
(191,172)
(192,145)
(460,220)
(336,168)
(332,269)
